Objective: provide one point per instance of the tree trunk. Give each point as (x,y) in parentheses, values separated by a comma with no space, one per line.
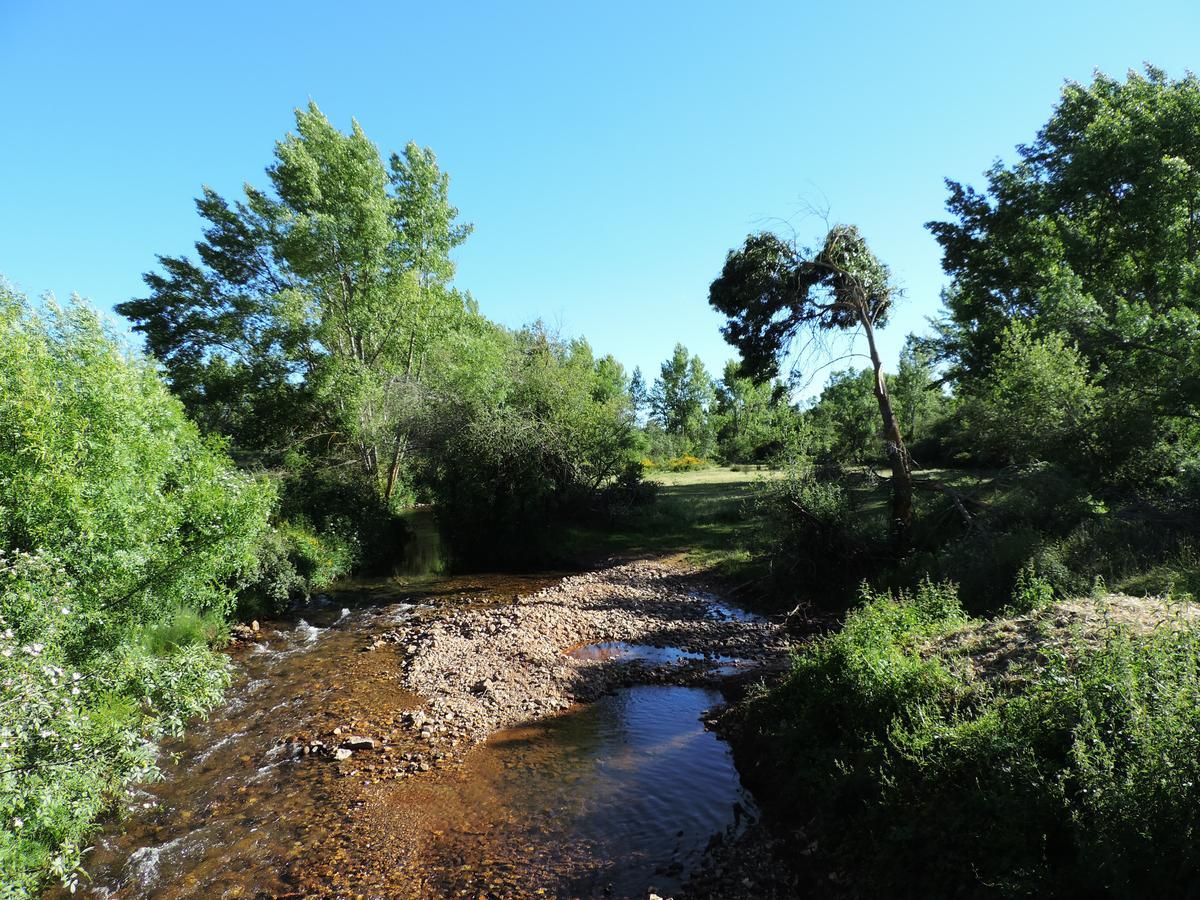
(398,449)
(897,453)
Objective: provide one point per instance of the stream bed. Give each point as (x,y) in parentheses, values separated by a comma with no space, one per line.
(618,797)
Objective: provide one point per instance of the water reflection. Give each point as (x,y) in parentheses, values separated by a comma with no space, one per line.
(618,797)
(614,798)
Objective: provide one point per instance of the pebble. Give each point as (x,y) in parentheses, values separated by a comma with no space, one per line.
(482,670)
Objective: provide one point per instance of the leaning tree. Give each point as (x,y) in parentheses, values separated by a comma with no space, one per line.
(770,291)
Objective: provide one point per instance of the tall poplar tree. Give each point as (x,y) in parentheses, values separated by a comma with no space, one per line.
(312,313)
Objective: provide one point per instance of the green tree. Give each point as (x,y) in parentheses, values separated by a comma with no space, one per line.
(611,385)
(542,447)
(769,290)
(1095,234)
(845,417)
(754,420)
(920,401)
(681,400)
(1037,401)
(315,307)
(638,394)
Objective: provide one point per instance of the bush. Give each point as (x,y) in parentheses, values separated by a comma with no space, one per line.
(629,491)
(546,449)
(337,516)
(820,544)
(124,537)
(294,562)
(933,771)
(686,463)
(1037,402)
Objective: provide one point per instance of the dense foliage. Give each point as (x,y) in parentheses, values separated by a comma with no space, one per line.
(124,536)
(735,419)
(1062,374)
(320,333)
(1067,769)
(1092,241)
(554,441)
(1011,756)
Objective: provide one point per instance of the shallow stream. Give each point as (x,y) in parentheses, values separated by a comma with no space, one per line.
(614,798)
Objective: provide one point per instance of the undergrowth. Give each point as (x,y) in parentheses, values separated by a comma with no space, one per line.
(925,777)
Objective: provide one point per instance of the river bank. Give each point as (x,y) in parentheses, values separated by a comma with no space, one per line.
(480,736)
(498,673)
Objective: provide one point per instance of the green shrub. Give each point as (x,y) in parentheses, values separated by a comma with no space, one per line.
(512,468)
(820,543)
(1037,402)
(628,491)
(294,562)
(319,559)
(182,628)
(124,537)
(1032,590)
(1075,771)
(344,513)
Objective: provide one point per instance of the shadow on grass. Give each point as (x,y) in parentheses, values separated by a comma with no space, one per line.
(701,518)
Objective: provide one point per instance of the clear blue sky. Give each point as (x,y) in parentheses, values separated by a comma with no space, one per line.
(609,153)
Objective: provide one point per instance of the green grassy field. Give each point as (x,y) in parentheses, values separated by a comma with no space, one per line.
(712,515)
(709,513)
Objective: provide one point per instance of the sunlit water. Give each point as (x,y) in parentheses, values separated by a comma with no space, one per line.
(619,797)
(613,798)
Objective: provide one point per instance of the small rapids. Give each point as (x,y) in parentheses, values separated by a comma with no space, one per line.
(611,798)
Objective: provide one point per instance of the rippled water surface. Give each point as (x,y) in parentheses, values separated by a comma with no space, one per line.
(616,797)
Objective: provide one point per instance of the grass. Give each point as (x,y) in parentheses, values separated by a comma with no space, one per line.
(713,516)
(1055,753)
(707,513)
(711,513)
(740,477)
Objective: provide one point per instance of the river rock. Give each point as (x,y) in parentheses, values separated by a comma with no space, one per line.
(481,670)
(357,742)
(342,753)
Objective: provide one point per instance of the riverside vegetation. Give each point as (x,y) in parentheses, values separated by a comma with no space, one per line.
(1003,529)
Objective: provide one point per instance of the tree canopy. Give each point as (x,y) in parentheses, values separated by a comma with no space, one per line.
(1093,233)
(316,306)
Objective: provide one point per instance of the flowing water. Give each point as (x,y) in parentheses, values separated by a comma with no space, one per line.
(615,798)
(612,798)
